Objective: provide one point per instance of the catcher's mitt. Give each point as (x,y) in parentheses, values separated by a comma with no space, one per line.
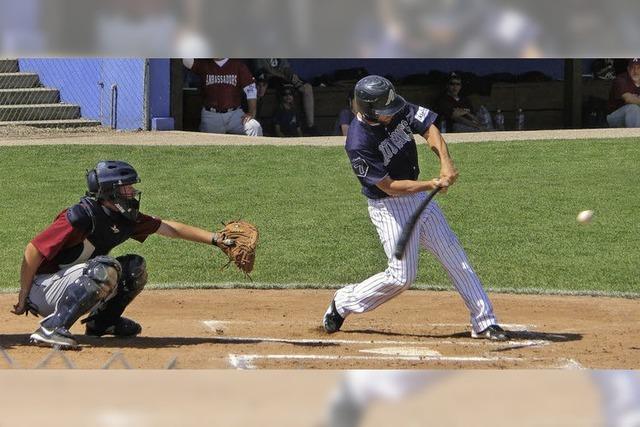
(238,240)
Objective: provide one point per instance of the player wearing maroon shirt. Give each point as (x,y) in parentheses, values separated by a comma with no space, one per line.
(67,271)
(225,81)
(624,97)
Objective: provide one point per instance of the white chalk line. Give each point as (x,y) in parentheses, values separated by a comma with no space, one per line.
(415,354)
(388,353)
(213,325)
(564,363)
(402,351)
(246,361)
(516,327)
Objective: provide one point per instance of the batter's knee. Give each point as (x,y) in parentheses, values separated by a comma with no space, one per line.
(134,272)
(400,278)
(253,128)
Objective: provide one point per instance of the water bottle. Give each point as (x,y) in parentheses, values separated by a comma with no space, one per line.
(499,119)
(443,126)
(485,117)
(519,119)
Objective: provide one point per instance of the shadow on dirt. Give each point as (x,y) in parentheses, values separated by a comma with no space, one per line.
(514,335)
(20,340)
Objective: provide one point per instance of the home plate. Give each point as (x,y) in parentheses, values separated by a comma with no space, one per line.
(403,351)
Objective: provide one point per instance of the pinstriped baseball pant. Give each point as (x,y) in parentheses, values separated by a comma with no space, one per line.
(432,233)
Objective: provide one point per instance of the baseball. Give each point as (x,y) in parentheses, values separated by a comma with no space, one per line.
(585,217)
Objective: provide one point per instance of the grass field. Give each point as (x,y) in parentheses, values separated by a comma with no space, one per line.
(513,208)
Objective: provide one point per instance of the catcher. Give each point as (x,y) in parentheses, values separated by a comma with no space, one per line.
(67,271)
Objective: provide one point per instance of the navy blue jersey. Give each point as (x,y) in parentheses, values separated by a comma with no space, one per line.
(377,151)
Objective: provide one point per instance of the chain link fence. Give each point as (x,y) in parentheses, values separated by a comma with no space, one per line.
(74,93)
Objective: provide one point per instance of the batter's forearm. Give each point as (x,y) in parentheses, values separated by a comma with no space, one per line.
(404,186)
(437,144)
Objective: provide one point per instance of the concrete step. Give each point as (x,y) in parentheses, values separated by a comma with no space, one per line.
(9,66)
(72,123)
(18,80)
(29,96)
(31,112)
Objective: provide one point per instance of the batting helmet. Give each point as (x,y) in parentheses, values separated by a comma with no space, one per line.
(104,181)
(375,96)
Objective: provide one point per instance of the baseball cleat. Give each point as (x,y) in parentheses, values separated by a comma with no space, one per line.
(123,327)
(57,338)
(493,332)
(332,321)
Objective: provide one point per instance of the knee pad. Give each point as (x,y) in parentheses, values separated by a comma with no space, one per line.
(78,298)
(134,273)
(105,271)
(132,281)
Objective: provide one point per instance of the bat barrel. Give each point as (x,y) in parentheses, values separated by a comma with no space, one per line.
(411,224)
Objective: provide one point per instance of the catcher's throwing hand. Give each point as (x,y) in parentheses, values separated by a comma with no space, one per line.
(238,240)
(23,308)
(19,309)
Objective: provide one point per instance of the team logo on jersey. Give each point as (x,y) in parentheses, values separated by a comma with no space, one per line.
(421,114)
(360,167)
(226,79)
(115,229)
(395,142)
(392,96)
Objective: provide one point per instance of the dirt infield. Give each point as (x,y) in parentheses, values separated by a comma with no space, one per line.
(256,329)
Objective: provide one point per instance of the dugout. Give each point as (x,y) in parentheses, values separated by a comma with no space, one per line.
(568,100)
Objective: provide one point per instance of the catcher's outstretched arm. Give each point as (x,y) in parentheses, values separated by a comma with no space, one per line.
(178,230)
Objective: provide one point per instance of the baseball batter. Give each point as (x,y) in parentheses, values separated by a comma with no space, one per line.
(67,271)
(225,82)
(384,157)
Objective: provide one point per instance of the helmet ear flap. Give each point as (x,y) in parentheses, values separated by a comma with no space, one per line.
(92,182)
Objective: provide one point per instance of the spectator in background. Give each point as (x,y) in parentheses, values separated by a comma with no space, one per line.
(285,120)
(345,116)
(225,81)
(456,109)
(277,72)
(624,98)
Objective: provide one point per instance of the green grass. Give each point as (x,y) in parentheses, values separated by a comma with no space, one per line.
(513,208)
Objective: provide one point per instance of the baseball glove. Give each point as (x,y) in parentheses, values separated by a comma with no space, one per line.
(238,240)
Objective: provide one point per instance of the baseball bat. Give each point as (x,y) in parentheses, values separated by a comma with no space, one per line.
(411,224)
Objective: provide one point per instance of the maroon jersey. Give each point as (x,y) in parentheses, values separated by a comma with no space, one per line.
(621,85)
(87,230)
(223,86)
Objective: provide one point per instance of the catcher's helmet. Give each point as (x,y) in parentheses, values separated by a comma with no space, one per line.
(375,96)
(104,181)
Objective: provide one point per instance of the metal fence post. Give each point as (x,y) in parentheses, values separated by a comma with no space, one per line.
(147,94)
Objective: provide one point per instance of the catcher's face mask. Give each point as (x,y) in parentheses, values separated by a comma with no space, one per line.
(127,200)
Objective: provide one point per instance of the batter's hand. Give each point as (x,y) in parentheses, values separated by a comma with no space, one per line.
(448,175)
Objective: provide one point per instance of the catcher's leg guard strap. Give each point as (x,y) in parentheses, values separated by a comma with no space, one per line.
(78,298)
(134,277)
